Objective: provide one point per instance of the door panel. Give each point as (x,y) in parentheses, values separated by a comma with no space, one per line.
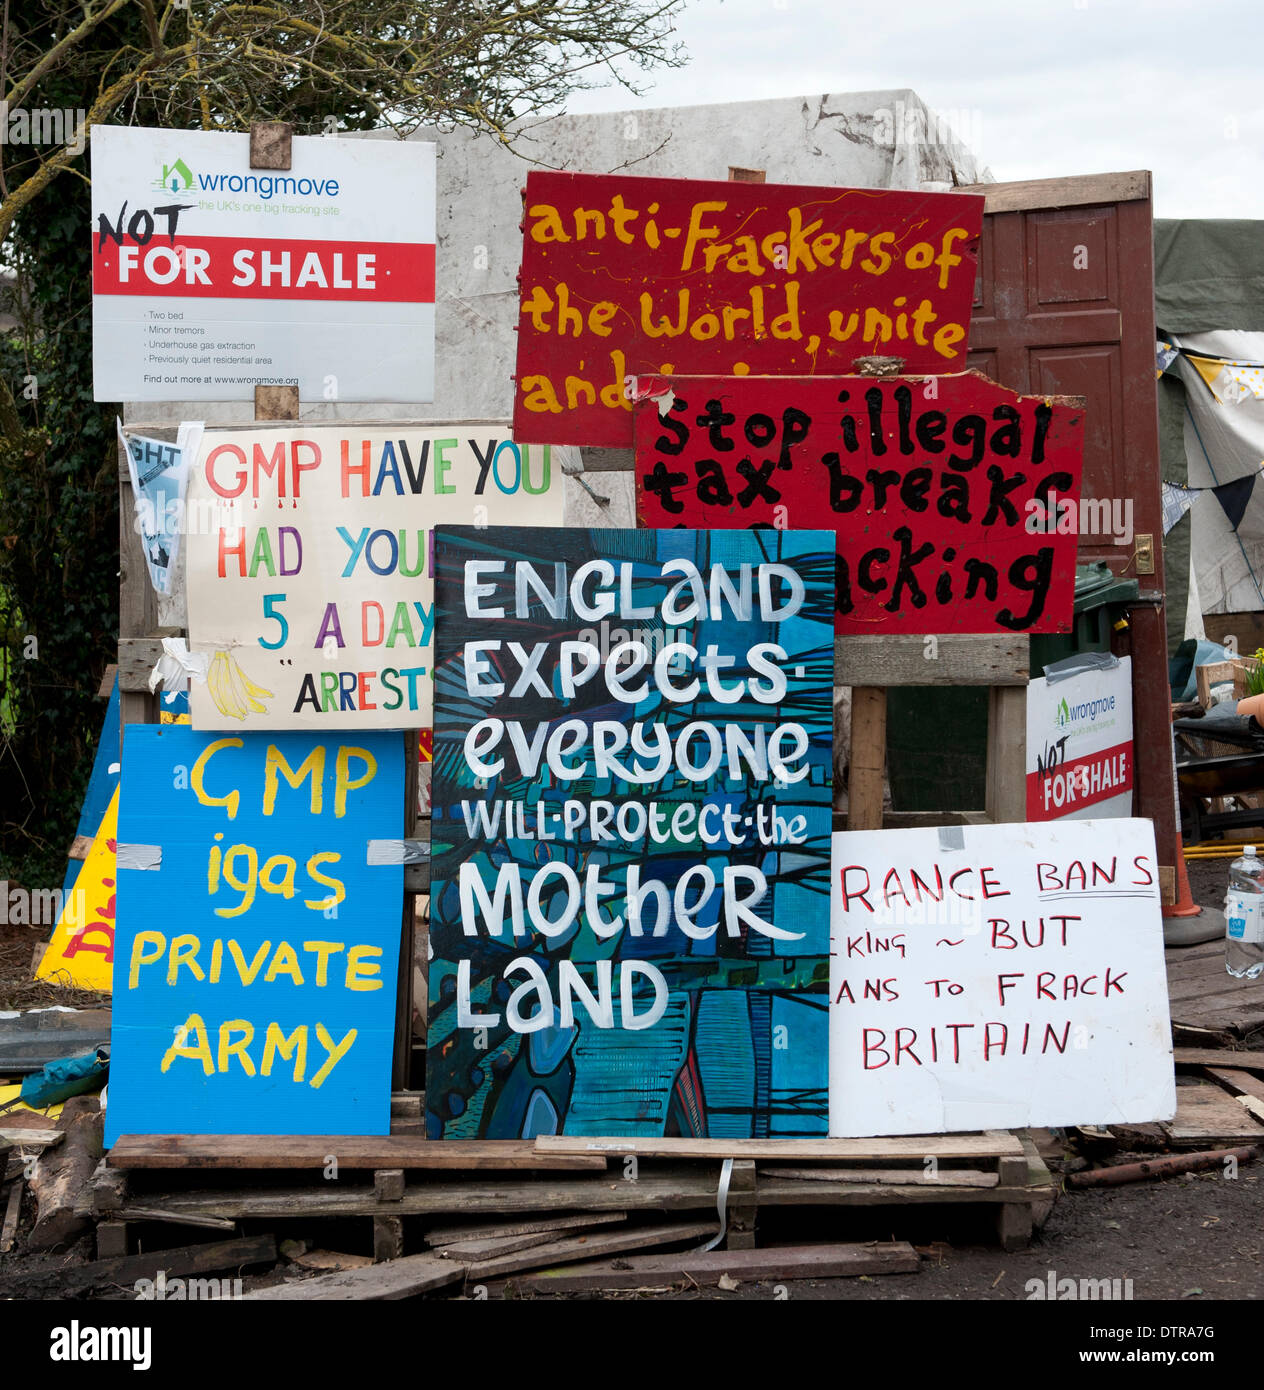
(1064,305)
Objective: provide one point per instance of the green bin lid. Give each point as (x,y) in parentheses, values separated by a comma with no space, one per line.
(1096,586)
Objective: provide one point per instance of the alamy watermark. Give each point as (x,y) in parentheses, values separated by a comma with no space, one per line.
(44,125)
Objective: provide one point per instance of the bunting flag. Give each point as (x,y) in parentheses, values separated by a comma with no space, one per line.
(1230,382)
(1234,496)
(1177,501)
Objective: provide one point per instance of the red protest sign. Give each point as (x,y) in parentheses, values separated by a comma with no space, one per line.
(955,500)
(623,277)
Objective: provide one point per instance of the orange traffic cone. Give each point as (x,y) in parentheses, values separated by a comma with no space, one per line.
(1184,906)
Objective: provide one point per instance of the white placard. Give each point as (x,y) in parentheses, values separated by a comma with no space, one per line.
(309,570)
(998,976)
(1079,745)
(210,277)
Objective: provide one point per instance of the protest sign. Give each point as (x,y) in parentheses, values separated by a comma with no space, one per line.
(81,952)
(630,835)
(998,976)
(627,276)
(309,576)
(159,471)
(260,897)
(210,277)
(1079,743)
(938,489)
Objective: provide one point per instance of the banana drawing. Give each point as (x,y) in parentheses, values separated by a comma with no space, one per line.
(234,693)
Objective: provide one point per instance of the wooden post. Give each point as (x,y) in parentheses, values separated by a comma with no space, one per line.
(276,403)
(1006,794)
(868,757)
(742,1206)
(270,145)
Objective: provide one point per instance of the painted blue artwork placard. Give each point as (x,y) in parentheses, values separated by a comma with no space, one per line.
(631,806)
(260,896)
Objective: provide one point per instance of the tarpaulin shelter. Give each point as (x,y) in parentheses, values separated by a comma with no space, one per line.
(1209,314)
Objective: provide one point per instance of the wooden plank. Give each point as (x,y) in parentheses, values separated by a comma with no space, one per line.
(900,1177)
(679,1192)
(351,1151)
(450,1235)
(797,1192)
(12,1210)
(1005,796)
(757,1266)
(1218,1057)
(393,1280)
(899,659)
(106,688)
(1080,191)
(577,1247)
(29,1138)
(142,1213)
(1207,1118)
(993,1144)
(126,1269)
(867,764)
(1238,1083)
(137,657)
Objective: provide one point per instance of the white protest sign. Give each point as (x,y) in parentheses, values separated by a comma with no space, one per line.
(210,277)
(1079,744)
(309,569)
(997,976)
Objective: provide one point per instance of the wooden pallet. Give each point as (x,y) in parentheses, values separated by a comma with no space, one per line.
(632,1180)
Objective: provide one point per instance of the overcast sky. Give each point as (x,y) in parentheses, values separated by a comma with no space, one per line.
(1037,88)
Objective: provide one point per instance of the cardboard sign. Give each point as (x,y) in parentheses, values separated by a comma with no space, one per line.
(1079,745)
(309,574)
(998,976)
(625,276)
(210,277)
(630,838)
(81,951)
(938,489)
(260,898)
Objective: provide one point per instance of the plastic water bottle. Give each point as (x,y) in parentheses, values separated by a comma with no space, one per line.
(1244,917)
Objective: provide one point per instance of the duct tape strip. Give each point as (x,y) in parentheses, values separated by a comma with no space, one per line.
(951,837)
(398,852)
(721,1207)
(139,856)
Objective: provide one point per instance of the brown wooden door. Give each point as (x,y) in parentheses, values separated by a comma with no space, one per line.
(1064,304)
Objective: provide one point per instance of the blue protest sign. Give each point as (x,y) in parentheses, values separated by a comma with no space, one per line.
(258,929)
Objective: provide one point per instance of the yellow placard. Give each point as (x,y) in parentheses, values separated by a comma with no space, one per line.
(81,952)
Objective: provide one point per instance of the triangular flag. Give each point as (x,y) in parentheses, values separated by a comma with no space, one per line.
(81,953)
(1234,496)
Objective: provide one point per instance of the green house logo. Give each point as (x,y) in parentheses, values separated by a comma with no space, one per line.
(176,178)
(1064,715)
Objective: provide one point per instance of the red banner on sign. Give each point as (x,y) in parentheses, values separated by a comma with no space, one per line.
(955,500)
(624,277)
(1056,791)
(213,267)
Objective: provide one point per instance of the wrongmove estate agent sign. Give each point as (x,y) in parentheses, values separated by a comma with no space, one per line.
(210,277)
